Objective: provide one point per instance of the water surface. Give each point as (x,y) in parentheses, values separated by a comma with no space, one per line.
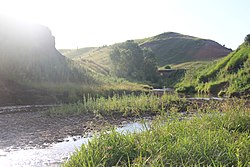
(55,154)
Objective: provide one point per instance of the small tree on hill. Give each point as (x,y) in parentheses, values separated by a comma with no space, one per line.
(247,39)
(167,67)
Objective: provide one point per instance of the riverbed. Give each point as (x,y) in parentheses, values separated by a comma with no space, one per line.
(55,154)
(31,137)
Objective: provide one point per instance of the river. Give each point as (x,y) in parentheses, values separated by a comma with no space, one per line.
(25,141)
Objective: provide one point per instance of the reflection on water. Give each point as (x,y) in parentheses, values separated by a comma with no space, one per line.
(205,98)
(55,154)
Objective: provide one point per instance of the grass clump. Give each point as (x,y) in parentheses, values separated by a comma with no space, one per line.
(211,139)
(126,104)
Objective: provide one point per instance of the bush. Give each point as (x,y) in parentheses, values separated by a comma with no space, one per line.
(203,79)
(247,39)
(215,88)
(167,67)
(187,89)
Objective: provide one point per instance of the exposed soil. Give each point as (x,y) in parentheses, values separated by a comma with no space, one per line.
(211,50)
(32,128)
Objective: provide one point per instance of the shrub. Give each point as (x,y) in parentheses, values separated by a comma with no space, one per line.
(167,67)
(247,39)
(187,89)
(215,88)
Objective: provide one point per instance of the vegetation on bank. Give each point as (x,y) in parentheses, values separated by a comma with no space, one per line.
(125,104)
(229,76)
(219,137)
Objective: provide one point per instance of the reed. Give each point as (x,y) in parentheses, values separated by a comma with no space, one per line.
(127,104)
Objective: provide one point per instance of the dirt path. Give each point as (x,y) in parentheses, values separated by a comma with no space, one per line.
(24,129)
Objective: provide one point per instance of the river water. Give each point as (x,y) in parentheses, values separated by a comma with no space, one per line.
(55,154)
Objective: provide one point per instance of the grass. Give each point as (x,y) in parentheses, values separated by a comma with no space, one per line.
(228,76)
(208,139)
(126,104)
(188,65)
(99,55)
(72,53)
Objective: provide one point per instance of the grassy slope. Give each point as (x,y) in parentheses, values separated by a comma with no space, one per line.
(169,48)
(230,75)
(99,55)
(76,53)
(189,65)
(175,48)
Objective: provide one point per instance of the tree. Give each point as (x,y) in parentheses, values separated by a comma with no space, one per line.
(167,67)
(247,39)
(127,59)
(130,61)
(150,66)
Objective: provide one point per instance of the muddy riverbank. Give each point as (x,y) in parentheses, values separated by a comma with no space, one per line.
(25,129)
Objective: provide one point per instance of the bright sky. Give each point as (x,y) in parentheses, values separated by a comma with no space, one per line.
(83,23)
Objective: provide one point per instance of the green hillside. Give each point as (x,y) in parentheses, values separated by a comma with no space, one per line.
(228,76)
(32,71)
(28,53)
(99,55)
(76,53)
(169,48)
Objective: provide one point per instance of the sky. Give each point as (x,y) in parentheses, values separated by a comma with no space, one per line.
(87,23)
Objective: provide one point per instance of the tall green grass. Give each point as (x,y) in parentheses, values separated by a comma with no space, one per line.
(211,139)
(126,104)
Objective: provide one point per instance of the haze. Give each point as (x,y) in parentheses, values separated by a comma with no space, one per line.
(84,23)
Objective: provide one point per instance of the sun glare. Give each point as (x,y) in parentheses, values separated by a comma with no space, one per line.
(25,10)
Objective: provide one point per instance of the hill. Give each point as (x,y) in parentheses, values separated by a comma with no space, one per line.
(175,48)
(29,61)
(99,55)
(28,52)
(169,48)
(32,71)
(227,76)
